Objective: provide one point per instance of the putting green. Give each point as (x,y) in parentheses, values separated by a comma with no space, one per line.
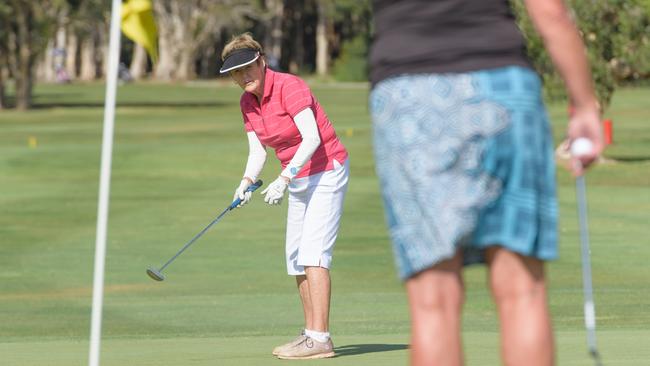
(385,350)
(178,155)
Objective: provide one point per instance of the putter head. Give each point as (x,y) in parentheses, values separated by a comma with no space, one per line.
(596,356)
(155,274)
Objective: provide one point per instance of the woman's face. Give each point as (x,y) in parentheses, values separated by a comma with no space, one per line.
(250,77)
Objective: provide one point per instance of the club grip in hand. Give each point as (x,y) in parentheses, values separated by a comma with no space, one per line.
(250,188)
(253,187)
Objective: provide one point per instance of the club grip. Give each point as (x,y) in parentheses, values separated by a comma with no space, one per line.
(252,188)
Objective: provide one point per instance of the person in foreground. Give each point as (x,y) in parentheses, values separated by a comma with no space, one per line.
(280,111)
(464,155)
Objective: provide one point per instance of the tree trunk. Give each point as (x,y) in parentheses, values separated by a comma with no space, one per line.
(164,68)
(24,78)
(24,59)
(3,101)
(88,64)
(322,52)
(274,34)
(166,65)
(45,64)
(185,69)
(138,67)
(186,27)
(24,86)
(71,55)
(167,45)
(26,32)
(59,53)
(298,54)
(208,64)
(102,36)
(185,41)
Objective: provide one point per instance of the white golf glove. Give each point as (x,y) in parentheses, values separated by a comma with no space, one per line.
(241,193)
(275,191)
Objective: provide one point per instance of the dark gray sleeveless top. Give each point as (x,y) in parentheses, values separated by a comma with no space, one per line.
(443,36)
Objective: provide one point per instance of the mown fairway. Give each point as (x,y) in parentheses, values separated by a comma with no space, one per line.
(179,152)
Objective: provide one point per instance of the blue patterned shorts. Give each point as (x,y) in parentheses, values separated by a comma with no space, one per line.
(465,161)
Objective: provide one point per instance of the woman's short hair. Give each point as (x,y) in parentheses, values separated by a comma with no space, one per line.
(244,40)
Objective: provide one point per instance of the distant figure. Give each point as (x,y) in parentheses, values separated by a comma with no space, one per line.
(464,154)
(123,73)
(61,75)
(280,111)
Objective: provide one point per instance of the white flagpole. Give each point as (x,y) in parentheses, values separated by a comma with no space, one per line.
(104,183)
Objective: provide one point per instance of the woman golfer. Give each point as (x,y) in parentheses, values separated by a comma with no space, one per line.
(280,111)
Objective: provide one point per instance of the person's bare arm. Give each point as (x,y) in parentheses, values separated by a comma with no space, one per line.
(562,41)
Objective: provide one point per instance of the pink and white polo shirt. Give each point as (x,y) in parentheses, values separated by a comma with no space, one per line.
(285,96)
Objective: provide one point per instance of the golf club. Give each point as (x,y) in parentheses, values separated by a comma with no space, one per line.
(589,307)
(157,275)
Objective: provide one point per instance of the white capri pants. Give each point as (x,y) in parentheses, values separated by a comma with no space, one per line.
(313,218)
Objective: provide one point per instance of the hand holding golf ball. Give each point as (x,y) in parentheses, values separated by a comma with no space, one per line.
(582,153)
(581,147)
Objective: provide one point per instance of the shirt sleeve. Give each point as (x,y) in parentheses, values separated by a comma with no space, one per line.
(256,157)
(296,96)
(306,123)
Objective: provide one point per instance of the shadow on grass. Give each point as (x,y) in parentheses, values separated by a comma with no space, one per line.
(144,99)
(630,159)
(177,104)
(358,349)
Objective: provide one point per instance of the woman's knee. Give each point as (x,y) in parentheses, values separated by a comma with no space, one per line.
(437,289)
(514,276)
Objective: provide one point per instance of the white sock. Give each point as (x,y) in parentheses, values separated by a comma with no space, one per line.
(319,336)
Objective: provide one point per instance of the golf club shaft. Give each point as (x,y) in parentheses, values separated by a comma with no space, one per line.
(194,239)
(589,307)
(234,204)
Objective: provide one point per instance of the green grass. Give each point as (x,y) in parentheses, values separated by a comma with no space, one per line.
(179,150)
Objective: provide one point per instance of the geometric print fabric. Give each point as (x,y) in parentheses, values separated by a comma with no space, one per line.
(464,161)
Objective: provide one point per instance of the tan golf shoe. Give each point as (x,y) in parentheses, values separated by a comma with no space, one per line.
(308,348)
(277,350)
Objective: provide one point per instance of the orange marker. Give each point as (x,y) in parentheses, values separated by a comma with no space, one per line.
(608,132)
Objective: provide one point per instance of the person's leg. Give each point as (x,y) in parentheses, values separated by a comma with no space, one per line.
(305,298)
(435,301)
(303,291)
(320,227)
(519,290)
(295,214)
(314,288)
(295,221)
(319,290)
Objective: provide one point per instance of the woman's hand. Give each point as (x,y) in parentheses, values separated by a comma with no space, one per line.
(241,192)
(275,191)
(585,123)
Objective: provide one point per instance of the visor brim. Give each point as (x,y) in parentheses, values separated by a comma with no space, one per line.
(239,58)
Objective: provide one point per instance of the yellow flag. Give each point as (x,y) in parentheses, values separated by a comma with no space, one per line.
(139,25)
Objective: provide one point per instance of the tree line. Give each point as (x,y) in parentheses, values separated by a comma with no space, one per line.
(67,40)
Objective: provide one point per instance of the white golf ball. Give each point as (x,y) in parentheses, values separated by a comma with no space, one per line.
(582,146)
